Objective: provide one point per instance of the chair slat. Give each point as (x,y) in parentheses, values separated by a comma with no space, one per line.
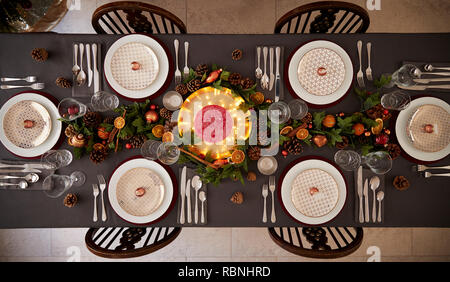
(299,237)
(115,24)
(306,22)
(334,237)
(340,21)
(348,22)
(288,29)
(122,21)
(164,24)
(349,233)
(342,236)
(114,238)
(155,23)
(100,234)
(149,235)
(290,236)
(353,26)
(108,25)
(297,23)
(157,234)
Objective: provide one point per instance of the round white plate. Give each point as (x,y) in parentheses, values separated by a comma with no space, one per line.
(167,195)
(52,138)
(404,140)
(286,191)
(330,60)
(154,84)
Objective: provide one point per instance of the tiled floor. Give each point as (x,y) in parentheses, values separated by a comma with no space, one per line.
(246,244)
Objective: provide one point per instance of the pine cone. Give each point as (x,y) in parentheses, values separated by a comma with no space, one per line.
(98,156)
(70,131)
(63,82)
(394,150)
(108,120)
(168,126)
(234,78)
(251,176)
(378,112)
(70,200)
(247,83)
(92,119)
(182,89)
(165,113)
(293,146)
(308,118)
(201,69)
(236,54)
(39,54)
(237,198)
(401,183)
(254,153)
(137,140)
(193,85)
(343,144)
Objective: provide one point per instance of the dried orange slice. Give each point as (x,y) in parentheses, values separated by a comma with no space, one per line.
(286,130)
(377,129)
(98,146)
(302,133)
(167,137)
(238,156)
(158,131)
(119,122)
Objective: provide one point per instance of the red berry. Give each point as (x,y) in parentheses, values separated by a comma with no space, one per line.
(385,112)
(128,146)
(152,107)
(284,153)
(310,126)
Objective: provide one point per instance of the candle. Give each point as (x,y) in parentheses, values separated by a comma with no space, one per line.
(172,100)
(267,165)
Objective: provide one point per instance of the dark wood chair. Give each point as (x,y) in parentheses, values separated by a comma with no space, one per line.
(122,242)
(125,17)
(318,242)
(324,17)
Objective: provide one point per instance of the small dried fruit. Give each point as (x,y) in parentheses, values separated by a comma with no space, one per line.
(320,140)
(135,66)
(401,183)
(70,200)
(237,198)
(377,129)
(286,130)
(302,133)
(313,190)
(358,128)
(139,192)
(251,176)
(158,130)
(329,121)
(28,123)
(167,137)
(238,156)
(428,128)
(119,122)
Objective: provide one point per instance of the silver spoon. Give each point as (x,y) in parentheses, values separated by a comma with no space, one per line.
(81,77)
(31,177)
(429,67)
(22,184)
(258,72)
(380,197)
(75,68)
(202,197)
(374,183)
(418,73)
(197,184)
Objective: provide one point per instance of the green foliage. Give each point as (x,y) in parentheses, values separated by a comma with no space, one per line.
(382,81)
(317,119)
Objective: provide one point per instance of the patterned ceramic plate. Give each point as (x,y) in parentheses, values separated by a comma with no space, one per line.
(149,59)
(41,137)
(410,129)
(27,124)
(135,174)
(313,191)
(320,72)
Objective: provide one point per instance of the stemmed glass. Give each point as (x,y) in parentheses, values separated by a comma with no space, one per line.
(103,101)
(405,75)
(55,185)
(347,159)
(150,148)
(279,112)
(379,162)
(168,153)
(55,159)
(396,100)
(298,109)
(71,109)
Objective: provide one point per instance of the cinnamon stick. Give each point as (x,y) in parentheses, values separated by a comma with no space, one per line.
(199,159)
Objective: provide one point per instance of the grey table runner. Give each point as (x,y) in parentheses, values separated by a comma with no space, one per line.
(424,204)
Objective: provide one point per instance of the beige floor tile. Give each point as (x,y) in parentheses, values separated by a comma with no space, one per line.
(147,258)
(303,259)
(417,259)
(78,21)
(431,241)
(207,242)
(255,242)
(63,238)
(25,242)
(233,16)
(390,241)
(395,16)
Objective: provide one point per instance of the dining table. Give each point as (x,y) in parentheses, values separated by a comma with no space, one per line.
(424,204)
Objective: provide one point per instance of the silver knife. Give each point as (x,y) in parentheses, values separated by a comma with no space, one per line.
(95,67)
(24,166)
(88,57)
(366,200)
(25,170)
(188,196)
(423,87)
(428,80)
(277,74)
(360,193)
(272,76)
(182,193)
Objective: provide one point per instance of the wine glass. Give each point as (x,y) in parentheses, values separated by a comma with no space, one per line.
(279,112)
(397,100)
(103,101)
(55,159)
(298,109)
(347,159)
(405,75)
(379,162)
(71,109)
(55,185)
(168,153)
(150,148)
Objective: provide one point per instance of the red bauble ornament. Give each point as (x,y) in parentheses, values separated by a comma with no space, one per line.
(213,76)
(152,107)
(428,128)
(284,153)
(385,112)
(382,139)
(128,146)
(151,116)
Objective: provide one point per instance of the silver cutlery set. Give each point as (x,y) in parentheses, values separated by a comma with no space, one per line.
(363,194)
(265,193)
(269,77)
(178,77)
(423,169)
(437,81)
(24,174)
(30,79)
(98,189)
(360,74)
(189,189)
(86,75)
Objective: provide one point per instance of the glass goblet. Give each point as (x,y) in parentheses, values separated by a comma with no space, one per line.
(397,100)
(55,159)
(347,159)
(149,149)
(103,101)
(55,185)
(405,75)
(298,109)
(71,109)
(379,162)
(279,112)
(168,153)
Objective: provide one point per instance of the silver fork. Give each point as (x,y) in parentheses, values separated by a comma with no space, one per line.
(35,86)
(27,79)
(429,174)
(272,190)
(176,43)
(265,77)
(95,192)
(265,193)
(424,167)
(102,182)
(369,69)
(186,68)
(360,75)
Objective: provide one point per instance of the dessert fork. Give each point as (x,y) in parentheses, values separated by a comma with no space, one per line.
(272,190)
(102,182)
(27,79)
(95,192)
(360,75)
(369,69)
(35,86)
(186,68)
(177,71)
(258,71)
(265,193)
(424,167)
